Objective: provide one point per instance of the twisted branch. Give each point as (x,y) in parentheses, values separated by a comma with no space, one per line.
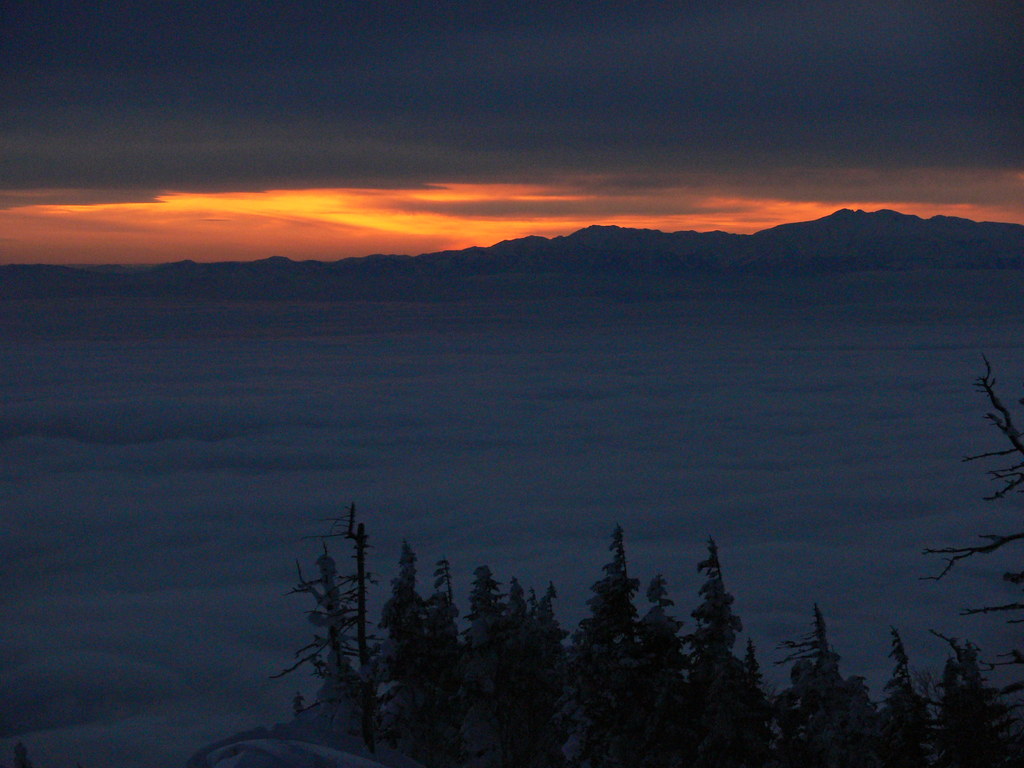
(957,554)
(1013,475)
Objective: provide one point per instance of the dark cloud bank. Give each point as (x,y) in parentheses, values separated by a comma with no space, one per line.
(229,95)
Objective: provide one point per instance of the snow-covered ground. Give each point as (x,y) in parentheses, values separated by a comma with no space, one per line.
(160,466)
(293,745)
(284,753)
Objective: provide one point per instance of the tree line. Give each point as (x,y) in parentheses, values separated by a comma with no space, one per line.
(629,688)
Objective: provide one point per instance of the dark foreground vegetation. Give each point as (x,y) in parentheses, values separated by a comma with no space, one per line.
(635,686)
(630,689)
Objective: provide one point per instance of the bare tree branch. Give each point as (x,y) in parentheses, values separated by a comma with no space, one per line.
(952,642)
(1013,475)
(961,553)
(995,609)
(310,657)
(1012,478)
(1007,452)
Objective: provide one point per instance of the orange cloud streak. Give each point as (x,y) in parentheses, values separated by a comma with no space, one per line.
(338,223)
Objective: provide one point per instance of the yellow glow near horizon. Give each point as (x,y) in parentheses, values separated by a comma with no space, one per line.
(317,223)
(338,223)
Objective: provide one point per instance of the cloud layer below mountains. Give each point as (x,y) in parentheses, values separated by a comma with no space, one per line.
(156,488)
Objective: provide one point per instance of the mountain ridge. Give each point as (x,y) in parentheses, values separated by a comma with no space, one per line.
(844,241)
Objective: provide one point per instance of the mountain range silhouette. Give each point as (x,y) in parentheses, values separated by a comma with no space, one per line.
(589,259)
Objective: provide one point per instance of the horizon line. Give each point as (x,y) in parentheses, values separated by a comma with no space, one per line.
(337,225)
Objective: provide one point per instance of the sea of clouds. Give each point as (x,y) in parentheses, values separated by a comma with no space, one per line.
(161,466)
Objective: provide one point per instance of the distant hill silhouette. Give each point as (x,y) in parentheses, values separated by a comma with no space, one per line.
(842,242)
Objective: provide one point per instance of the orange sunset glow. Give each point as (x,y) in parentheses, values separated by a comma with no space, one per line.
(330,224)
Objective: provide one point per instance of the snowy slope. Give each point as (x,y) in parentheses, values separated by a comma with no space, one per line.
(284,753)
(297,744)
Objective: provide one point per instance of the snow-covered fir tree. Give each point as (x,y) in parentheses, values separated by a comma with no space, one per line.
(338,705)
(483,673)
(531,685)
(974,723)
(712,641)
(545,645)
(403,719)
(825,721)
(606,707)
(417,667)
(669,736)
(757,708)
(512,678)
(733,731)
(439,667)
(515,678)
(341,652)
(906,727)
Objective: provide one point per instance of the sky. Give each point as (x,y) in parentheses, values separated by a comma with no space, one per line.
(148,132)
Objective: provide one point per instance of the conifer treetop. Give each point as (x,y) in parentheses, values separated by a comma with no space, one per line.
(717,625)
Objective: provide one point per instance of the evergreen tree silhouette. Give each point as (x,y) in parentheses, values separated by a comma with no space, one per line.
(532,683)
(732,724)
(825,721)
(607,712)
(669,736)
(439,665)
(906,727)
(974,723)
(483,674)
(405,700)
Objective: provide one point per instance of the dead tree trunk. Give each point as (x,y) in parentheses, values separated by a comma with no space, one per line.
(367,694)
